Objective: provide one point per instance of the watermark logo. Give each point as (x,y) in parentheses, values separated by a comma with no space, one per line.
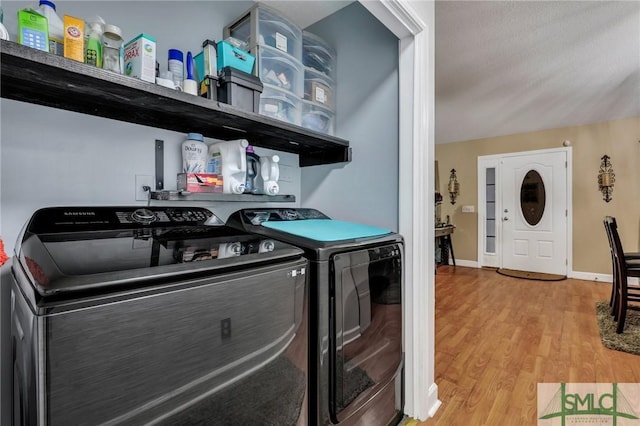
(616,404)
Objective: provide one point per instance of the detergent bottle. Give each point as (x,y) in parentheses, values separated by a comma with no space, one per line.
(194,154)
(253,170)
(56,28)
(231,161)
(270,174)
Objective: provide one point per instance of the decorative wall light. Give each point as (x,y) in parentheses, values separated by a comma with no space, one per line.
(606,178)
(454,186)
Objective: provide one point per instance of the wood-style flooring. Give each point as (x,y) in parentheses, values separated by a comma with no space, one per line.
(497,337)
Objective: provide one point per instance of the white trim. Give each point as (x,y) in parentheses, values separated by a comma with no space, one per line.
(466,263)
(416,183)
(433,396)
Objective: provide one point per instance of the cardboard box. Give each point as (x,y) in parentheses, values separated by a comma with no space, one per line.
(73,38)
(140,58)
(199,182)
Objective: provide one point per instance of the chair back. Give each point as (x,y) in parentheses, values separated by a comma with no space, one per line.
(618,252)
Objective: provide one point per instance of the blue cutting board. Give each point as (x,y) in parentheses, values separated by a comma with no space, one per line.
(326,229)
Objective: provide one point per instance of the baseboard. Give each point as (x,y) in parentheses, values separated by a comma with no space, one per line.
(605,278)
(432,399)
(467,263)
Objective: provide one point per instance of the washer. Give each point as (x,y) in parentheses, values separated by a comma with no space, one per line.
(128,315)
(355,347)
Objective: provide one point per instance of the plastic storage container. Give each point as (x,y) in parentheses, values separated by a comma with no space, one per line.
(263,26)
(239,89)
(317,54)
(318,118)
(280,104)
(279,70)
(319,88)
(230,56)
(111,44)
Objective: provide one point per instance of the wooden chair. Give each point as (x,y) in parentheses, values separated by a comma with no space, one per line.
(608,220)
(623,269)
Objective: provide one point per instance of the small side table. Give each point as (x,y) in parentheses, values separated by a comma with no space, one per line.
(443,236)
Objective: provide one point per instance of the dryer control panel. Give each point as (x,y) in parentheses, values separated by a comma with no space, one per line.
(258,216)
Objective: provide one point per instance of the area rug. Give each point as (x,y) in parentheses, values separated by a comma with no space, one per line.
(629,341)
(531,275)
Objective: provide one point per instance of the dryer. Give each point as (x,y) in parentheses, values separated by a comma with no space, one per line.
(356,357)
(163,315)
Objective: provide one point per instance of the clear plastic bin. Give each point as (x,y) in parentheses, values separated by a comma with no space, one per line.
(263,26)
(319,88)
(318,118)
(317,54)
(280,104)
(279,69)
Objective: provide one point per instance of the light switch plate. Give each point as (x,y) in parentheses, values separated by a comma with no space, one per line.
(468,209)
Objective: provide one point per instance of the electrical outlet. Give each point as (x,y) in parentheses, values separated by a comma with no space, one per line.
(141,182)
(468,209)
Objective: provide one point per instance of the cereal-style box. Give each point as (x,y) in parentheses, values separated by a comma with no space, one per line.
(140,58)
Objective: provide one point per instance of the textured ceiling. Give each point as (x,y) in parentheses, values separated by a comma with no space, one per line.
(508,67)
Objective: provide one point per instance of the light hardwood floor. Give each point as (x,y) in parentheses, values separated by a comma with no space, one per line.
(497,337)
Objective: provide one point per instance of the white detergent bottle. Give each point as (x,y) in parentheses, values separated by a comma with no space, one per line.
(56,27)
(270,173)
(232,158)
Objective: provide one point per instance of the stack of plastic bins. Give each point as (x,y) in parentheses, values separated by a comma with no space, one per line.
(318,105)
(276,42)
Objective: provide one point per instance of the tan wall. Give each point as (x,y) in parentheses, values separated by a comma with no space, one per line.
(619,139)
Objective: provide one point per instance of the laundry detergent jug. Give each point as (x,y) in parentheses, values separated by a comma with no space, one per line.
(270,173)
(253,172)
(229,159)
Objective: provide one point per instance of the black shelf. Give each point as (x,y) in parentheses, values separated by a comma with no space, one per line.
(202,196)
(37,77)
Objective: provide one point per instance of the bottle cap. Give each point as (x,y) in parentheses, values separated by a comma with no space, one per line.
(195,136)
(113,32)
(48,3)
(250,149)
(96,23)
(176,54)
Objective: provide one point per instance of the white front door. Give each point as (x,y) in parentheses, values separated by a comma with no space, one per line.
(534,212)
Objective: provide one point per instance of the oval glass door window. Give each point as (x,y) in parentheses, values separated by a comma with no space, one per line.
(532,197)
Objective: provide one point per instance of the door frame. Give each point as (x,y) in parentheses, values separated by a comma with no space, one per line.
(493,161)
(413,22)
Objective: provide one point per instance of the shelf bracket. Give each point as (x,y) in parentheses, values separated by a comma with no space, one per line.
(159,148)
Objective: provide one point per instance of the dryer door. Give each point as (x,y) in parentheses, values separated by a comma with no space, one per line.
(365,344)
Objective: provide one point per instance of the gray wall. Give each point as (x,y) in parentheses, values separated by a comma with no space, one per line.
(51,157)
(365,190)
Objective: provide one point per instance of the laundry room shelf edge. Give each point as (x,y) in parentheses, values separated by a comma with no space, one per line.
(38,77)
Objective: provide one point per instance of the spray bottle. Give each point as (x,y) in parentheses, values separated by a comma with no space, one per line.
(270,173)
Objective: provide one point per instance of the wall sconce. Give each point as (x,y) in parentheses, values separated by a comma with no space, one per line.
(606,178)
(454,186)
